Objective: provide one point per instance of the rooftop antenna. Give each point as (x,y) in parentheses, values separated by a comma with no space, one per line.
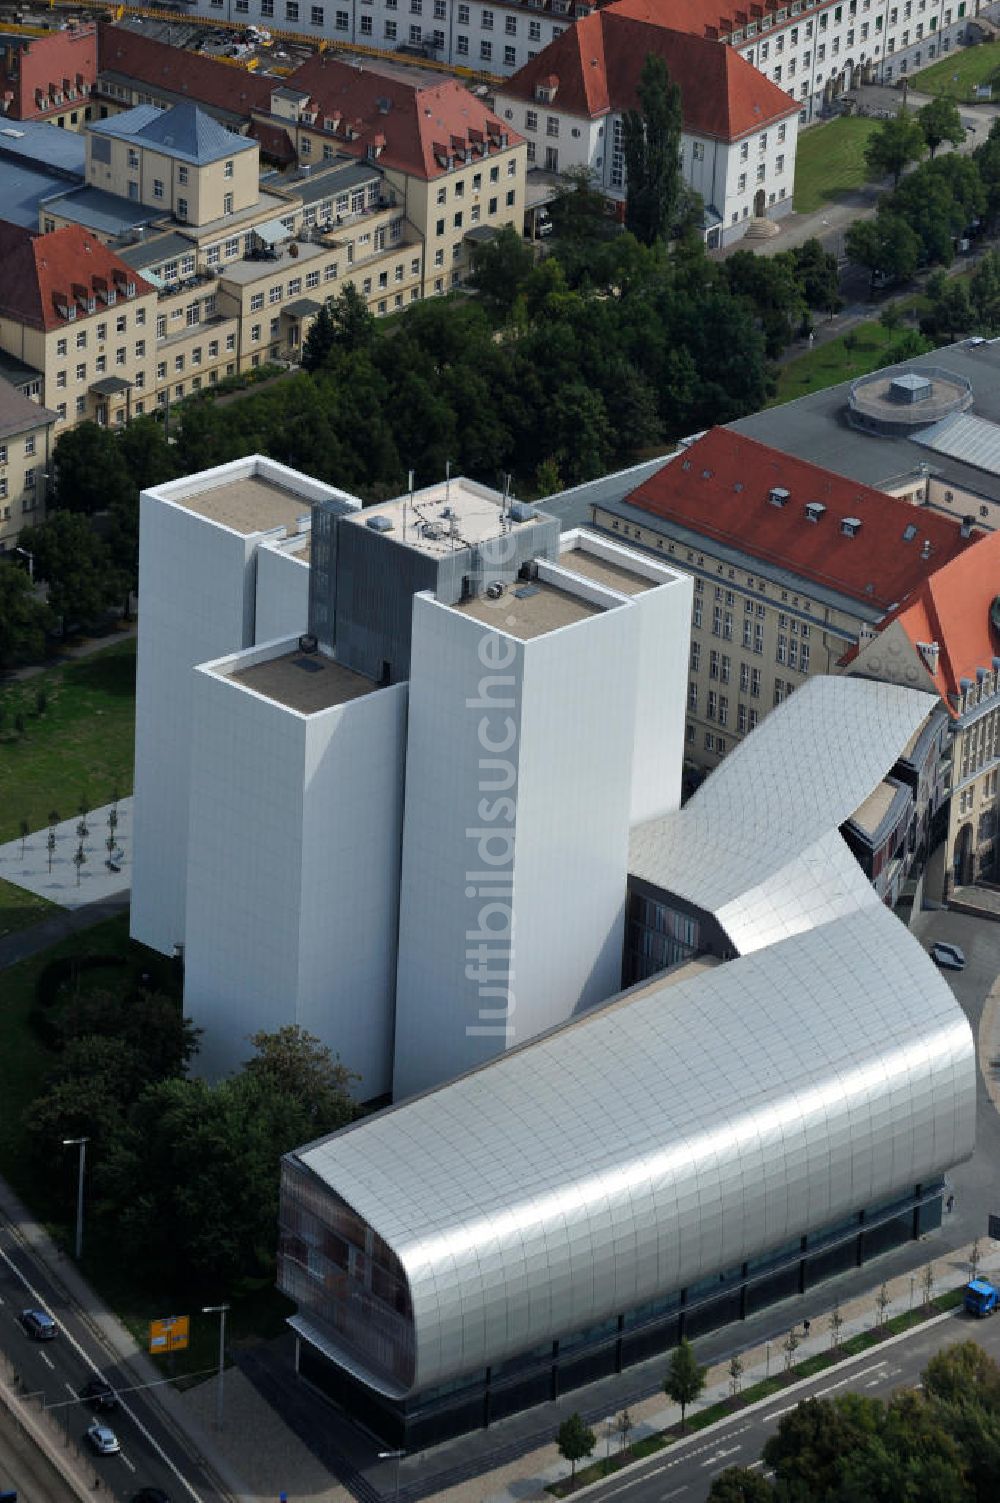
(447,482)
(409,487)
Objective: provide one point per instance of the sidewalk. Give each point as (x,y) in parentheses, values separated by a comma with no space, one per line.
(79,648)
(27,863)
(526,1479)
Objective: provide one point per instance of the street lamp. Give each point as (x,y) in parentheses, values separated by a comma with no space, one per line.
(220,1311)
(80,1143)
(397,1457)
(31,562)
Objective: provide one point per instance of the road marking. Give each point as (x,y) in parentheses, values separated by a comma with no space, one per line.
(68,1336)
(47,1360)
(70,1389)
(129,1464)
(777,1413)
(676,1492)
(721,1454)
(822,1392)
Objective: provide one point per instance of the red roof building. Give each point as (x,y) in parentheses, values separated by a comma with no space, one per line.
(419,131)
(846,537)
(130,64)
(593,69)
(48,77)
(46,276)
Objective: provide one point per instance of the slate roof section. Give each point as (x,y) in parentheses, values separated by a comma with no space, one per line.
(596,64)
(42,273)
(129,57)
(721,488)
(417,125)
(185,133)
(18,414)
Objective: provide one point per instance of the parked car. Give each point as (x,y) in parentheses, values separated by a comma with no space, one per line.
(99,1395)
(948,957)
(39,1325)
(102,1440)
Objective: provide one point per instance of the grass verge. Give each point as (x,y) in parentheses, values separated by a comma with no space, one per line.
(956,77)
(861,350)
(808,1368)
(19,909)
(66,737)
(830,162)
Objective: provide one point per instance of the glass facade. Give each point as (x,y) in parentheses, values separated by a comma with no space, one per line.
(543,1373)
(657,936)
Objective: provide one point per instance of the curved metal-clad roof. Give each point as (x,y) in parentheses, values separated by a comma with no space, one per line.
(653,1142)
(758,844)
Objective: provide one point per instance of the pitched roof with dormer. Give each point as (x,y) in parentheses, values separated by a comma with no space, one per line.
(593,69)
(44,276)
(420,131)
(832,532)
(949,620)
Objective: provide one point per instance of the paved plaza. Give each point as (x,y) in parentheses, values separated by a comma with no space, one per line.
(27,863)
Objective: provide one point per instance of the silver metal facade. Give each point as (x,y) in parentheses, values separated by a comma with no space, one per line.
(758,844)
(654,1142)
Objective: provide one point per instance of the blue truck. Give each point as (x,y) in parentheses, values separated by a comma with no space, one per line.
(981,1297)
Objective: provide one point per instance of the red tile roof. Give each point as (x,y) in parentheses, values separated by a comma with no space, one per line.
(420,126)
(42,273)
(597,63)
(186,74)
(274,140)
(721,487)
(702,18)
(952,608)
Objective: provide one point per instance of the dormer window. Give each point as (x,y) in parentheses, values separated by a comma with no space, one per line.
(850,526)
(545,93)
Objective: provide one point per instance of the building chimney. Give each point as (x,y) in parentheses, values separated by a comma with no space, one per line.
(930,652)
(967,526)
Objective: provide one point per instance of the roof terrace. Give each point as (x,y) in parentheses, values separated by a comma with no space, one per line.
(306,682)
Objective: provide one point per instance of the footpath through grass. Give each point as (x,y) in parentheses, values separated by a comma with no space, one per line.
(808,1368)
(66,735)
(956,77)
(830,161)
(865,348)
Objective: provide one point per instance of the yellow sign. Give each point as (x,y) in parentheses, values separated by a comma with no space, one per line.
(170,1334)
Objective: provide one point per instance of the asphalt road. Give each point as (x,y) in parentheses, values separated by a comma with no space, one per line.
(687,1469)
(152,1453)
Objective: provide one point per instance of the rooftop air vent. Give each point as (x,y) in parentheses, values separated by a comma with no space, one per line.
(814,511)
(522,511)
(494,590)
(850,526)
(778,495)
(380,524)
(308,643)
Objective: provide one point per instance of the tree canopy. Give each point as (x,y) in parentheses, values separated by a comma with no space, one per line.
(75,564)
(651,141)
(575,1442)
(685,1380)
(940,121)
(894,144)
(23,616)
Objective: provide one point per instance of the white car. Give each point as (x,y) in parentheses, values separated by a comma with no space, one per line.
(102,1440)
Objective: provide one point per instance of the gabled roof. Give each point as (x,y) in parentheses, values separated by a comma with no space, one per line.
(413,129)
(721,487)
(702,18)
(273,140)
(184,132)
(952,609)
(43,273)
(594,68)
(174,70)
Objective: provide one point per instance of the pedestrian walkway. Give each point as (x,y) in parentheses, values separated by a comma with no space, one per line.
(526,1479)
(103,836)
(82,647)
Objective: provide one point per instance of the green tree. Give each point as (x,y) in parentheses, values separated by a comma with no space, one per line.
(651,140)
(580,434)
(319,342)
(940,121)
(950,307)
(548,481)
(886,244)
(295,1063)
(23,616)
(893,145)
(964,1372)
(984,292)
(500,269)
(737,1484)
(685,1380)
(575,1442)
(811,1441)
(987,163)
(817,275)
(90,473)
(580,211)
(77,567)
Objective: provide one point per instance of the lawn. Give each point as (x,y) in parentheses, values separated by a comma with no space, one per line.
(78,747)
(830,161)
(19,909)
(866,348)
(957,76)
